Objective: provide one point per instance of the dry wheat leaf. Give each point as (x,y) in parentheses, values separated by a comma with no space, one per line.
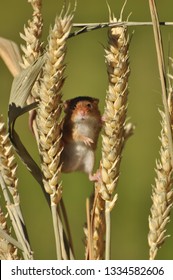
(23,83)
(20,91)
(10,54)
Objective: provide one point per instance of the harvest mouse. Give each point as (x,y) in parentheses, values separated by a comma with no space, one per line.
(81,127)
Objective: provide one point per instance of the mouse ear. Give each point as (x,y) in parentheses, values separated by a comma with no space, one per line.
(66,105)
(96,100)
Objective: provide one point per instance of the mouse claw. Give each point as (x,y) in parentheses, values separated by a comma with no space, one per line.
(87,141)
(103,118)
(96,177)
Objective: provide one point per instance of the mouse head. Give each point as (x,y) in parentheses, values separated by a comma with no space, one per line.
(86,101)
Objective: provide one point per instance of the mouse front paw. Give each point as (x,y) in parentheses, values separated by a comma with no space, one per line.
(95,177)
(87,141)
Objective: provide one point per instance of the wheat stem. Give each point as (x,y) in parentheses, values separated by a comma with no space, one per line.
(56,230)
(87,27)
(120,23)
(9,238)
(108,233)
(89,232)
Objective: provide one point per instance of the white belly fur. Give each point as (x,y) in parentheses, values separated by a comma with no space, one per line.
(77,157)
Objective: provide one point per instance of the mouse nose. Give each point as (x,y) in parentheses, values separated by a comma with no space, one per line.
(82,113)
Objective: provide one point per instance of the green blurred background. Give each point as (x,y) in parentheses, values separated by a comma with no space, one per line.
(86,75)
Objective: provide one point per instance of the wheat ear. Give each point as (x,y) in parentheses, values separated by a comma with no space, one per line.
(162,195)
(98,216)
(114,133)
(31,51)
(32,35)
(8,181)
(49,110)
(115,109)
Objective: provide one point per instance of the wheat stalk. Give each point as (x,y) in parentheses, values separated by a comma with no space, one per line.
(87,27)
(162,71)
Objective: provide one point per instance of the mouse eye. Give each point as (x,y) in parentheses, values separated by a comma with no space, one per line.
(89,105)
(73,106)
